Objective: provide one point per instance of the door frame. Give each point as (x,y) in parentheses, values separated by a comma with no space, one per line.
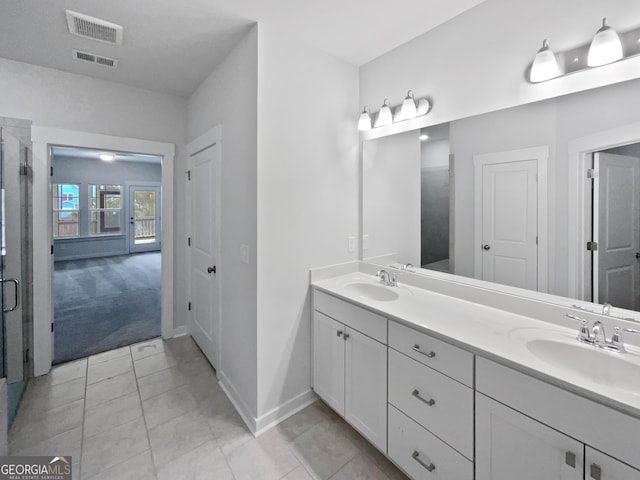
(128,185)
(204,141)
(541,154)
(43,138)
(579,231)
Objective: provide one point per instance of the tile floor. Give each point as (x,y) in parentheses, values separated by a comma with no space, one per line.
(154,410)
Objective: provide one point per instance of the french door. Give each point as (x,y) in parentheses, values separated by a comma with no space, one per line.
(144,219)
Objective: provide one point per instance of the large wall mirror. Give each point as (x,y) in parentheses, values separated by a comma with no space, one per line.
(543,196)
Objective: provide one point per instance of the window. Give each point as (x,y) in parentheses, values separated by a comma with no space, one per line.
(105,207)
(65,210)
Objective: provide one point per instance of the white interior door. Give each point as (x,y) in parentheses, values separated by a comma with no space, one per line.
(204,321)
(617,223)
(509,219)
(144,218)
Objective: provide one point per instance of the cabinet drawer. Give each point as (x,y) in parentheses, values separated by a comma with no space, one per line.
(452,361)
(364,321)
(414,450)
(413,386)
(599,466)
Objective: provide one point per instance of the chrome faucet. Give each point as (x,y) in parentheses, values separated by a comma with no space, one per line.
(387,279)
(597,337)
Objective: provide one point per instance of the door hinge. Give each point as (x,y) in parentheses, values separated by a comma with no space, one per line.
(189,306)
(52,326)
(536,240)
(592,246)
(188,172)
(51,171)
(26,355)
(51,249)
(592,173)
(188,241)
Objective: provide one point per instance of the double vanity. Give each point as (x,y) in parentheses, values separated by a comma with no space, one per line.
(454,381)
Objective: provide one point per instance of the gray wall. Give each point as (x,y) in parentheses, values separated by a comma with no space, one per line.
(86,171)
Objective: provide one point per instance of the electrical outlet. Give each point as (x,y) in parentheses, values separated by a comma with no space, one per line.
(244,253)
(352,244)
(365,242)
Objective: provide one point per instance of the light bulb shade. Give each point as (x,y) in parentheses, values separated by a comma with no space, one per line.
(385,117)
(545,65)
(605,47)
(423,107)
(364,123)
(407,109)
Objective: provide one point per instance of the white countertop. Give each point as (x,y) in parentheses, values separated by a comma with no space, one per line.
(500,336)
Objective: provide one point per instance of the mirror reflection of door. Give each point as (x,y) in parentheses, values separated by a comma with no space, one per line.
(509,204)
(616,219)
(144,219)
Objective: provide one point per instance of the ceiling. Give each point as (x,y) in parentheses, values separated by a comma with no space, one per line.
(71,152)
(171,46)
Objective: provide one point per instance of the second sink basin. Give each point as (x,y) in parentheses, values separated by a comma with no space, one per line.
(370,291)
(617,370)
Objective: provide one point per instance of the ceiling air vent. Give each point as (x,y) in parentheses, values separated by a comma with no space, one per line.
(94,28)
(93,58)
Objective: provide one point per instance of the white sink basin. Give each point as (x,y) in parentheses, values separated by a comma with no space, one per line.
(616,370)
(370,291)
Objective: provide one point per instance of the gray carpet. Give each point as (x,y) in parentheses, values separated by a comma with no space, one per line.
(105,303)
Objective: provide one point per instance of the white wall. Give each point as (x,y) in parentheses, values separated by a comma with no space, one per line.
(57,99)
(307,202)
(476,62)
(391,194)
(228,97)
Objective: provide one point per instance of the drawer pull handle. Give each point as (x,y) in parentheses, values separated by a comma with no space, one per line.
(431,402)
(416,456)
(416,348)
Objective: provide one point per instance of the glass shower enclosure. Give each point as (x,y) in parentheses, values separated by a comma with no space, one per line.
(16,332)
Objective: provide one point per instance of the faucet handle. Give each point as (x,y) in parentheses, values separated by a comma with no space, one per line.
(584,335)
(616,341)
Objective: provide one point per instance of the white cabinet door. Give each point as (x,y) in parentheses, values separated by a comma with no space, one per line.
(366,387)
(603,467)
(328,360)
(511,446)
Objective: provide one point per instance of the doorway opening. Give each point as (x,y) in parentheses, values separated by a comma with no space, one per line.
(614,247)
(106,217)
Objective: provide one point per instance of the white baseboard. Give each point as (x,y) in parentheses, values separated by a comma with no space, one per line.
(257,426)
(245,413)
(284,411)
(180,331)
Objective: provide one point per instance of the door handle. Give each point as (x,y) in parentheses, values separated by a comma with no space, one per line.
(16,297)
(486,247)
(211,269)
(637,254)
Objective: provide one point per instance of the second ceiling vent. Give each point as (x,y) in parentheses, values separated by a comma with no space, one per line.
(94,28)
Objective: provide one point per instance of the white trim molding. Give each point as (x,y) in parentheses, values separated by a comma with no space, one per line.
(43,139)
(580,150)
(541,154)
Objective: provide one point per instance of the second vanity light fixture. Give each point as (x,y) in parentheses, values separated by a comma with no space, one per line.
(606,47)
(410,108)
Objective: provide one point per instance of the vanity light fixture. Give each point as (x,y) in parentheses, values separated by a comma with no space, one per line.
(107,157)
(385,116)
(545,65)
(364,123)
(605,47)
(409,109)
